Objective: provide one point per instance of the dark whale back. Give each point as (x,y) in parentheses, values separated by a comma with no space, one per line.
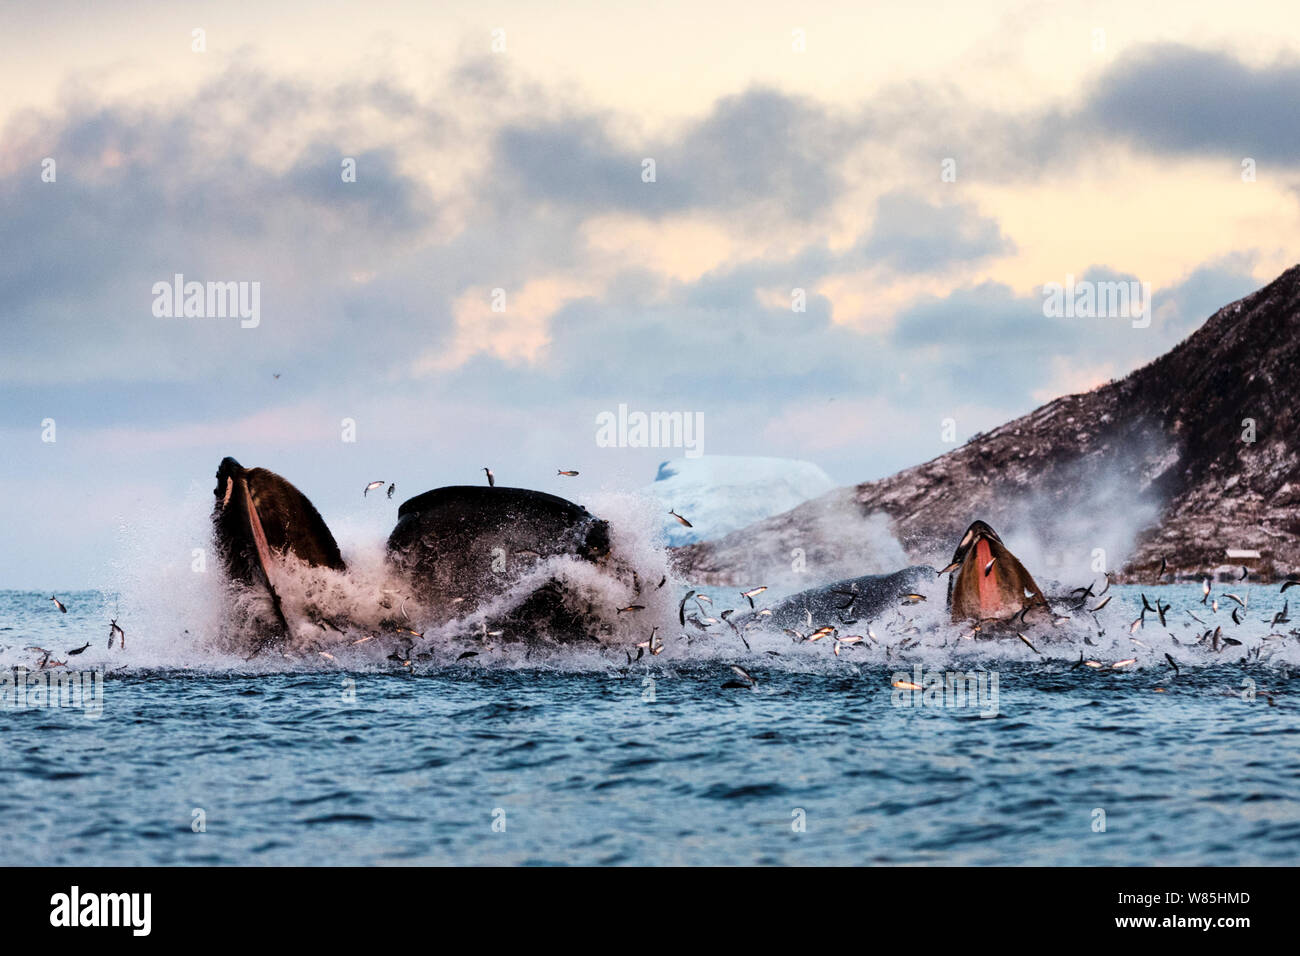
(863,598)
(473,541)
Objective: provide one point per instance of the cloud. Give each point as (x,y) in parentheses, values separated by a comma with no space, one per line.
(672,295)
(1169,98)
(911,234)
(760,153)
(141,195)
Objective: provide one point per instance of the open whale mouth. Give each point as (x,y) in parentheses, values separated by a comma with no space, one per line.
(989,582)
(243,536)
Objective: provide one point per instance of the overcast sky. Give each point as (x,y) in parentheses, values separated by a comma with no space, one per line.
(1112,154)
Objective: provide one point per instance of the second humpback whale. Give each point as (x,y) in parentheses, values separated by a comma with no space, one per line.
(861,597)
(990,585)
(989,582)
(469,544)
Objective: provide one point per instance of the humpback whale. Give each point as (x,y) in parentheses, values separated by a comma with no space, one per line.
(989,582)
(475,543)
(258,520)
(861,597)
(524,561)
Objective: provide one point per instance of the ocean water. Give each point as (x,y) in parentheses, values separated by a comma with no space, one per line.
(580,758)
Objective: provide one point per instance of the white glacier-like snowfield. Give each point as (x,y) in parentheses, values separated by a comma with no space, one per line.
(719,494)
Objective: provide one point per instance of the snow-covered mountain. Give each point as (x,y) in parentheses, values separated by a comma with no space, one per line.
(719,494)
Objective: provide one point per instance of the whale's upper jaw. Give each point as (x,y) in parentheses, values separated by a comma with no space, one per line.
(227,472)
(978,530)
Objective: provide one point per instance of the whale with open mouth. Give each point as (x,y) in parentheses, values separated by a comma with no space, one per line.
(988,581)
(989,585)
(258,520)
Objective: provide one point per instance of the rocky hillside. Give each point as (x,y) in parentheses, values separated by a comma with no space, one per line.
(1154,466)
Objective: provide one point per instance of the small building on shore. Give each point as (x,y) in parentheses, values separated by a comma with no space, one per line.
(1235,560)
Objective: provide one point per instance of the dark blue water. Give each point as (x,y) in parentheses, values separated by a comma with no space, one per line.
(605,767)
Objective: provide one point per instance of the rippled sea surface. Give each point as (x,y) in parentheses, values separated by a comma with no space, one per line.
(658,764)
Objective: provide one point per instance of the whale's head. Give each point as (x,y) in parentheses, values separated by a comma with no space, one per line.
(988,581)
(258,521)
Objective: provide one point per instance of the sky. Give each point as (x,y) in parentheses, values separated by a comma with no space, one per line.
(500,271)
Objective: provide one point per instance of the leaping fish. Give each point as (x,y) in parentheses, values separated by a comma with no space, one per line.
(1281,616)
(1030,646)
(746,679)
